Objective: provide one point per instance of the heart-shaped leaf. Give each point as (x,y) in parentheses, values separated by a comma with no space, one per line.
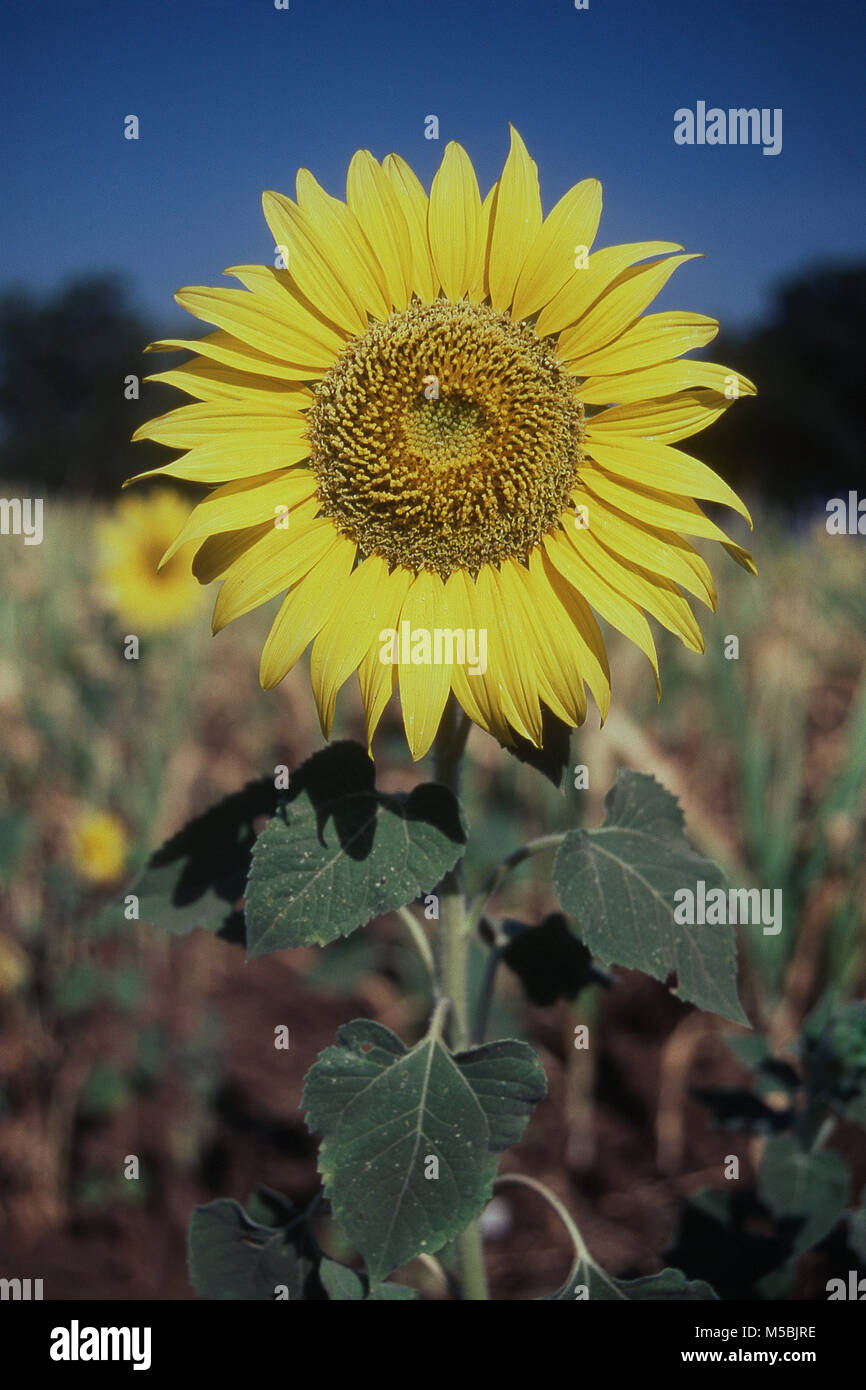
(339,852)
(410,1135)
(619,882)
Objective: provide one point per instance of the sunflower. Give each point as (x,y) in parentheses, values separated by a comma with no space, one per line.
(445,416)
(98,845)
(130,545)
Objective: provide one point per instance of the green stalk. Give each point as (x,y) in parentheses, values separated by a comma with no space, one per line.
(454,960)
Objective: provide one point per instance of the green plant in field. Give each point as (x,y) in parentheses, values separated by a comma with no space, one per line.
(443,433)
(410,1133)
(747,1240)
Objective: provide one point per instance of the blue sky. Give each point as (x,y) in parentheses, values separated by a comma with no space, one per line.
(234,95)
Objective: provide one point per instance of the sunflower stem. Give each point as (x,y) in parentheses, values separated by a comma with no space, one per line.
(497,876)
(419,938)
(454,961)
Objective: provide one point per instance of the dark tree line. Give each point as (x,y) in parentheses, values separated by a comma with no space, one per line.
(65,418)
(802,439)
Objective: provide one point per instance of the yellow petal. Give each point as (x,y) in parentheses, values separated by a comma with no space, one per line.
(228,350)
(646,384)
(516,222)
(347,635)
(377,678)
(742,557)
(424,686)
(570,614)
(252,319)
(617,308)
(241,504)
(344,244)
(663,421)
(657,595)
(481,286)
(219,552)
(414,202)
(371,196)
(311,268)
(272,565)
(279,291)
(454,224)
(663,468)
(549,264)
(475,692)
(517,695)
(211,381)
(230,459)
(679,514)
(198,424)
(610,603)
(305,610)
(560,684)
(588,281)
(654,338)
(653,548)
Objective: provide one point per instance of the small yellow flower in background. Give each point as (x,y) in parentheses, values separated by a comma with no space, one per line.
(98,846)
(14,965)
(421,396)
(131,543)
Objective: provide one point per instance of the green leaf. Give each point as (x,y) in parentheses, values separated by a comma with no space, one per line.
(833,1048)
(231,1256)
(619,881)
(384,1110)
(198,875)
(340,852)
(391,1293)
(340,1283)
(806,1192)
(669,1286)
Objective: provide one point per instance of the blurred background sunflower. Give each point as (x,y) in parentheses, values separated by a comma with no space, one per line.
(98,845)
(130,544)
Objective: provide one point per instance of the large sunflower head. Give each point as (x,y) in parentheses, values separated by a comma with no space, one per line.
(443,429)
